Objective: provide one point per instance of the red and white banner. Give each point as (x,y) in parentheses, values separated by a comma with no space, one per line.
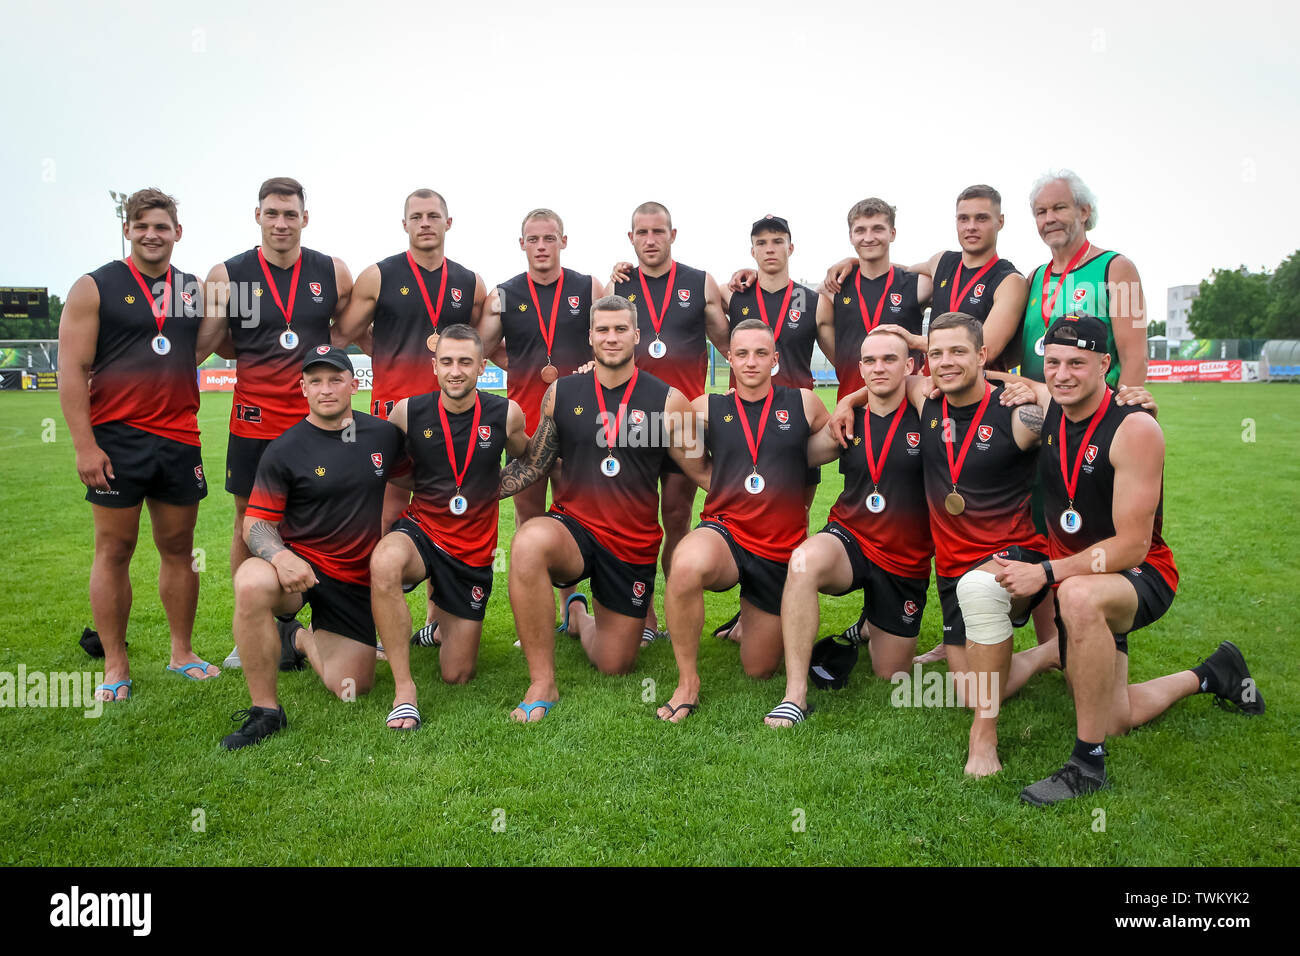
(1191,370)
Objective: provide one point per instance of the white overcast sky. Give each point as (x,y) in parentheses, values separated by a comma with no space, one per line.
(1181,117)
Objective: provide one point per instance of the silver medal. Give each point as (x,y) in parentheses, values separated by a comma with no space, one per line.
(776,368)
(288,339)
(458,505)
(1071,521)
(755,484)
(1040,347)
(658,349)
(875,502)
(609,467)
(161,344)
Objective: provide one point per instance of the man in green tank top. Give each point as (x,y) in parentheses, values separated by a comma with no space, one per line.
(1082,277)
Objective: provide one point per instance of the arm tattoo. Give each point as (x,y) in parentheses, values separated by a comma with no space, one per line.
(536,462)
(1031,416)
(264,540)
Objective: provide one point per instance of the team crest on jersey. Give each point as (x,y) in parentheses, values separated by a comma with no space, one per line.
(979,290)
(1080,295)
(636,416)
(455,295)
(428,433)
(476,592)
(573,301)
(631,297)
(258,292)
(523,307)
(895,299)
(1049,439)
(910,608)
(943,283)
(934,423)
(684,295)
(315,287)
(782,416)
(638,588)
(577,409)
(187,298)
(320,471)
(405,290)
(913,439)
(485,432)
(377,459)
(1091,454)
(744,310)
(728,417)
(986,432)
(794,316)
(129,299)
(857,440)
(847,299)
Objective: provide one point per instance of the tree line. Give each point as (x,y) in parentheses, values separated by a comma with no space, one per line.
(1240,304)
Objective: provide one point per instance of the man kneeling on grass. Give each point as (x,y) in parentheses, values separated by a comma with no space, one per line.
(312,522)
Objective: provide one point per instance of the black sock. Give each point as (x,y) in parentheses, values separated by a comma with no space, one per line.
(1206,677)
(1092,756)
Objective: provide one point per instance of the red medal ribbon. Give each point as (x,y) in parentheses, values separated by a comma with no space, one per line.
(657,321)
(459,474)
(954,470)
(548,337)
(872,322)
(1072,480)
(877,467)
(275,293)
(762,424)
(1046,305)
(611,435)
(780,316)
(955,297)
(434,315)
(164,302)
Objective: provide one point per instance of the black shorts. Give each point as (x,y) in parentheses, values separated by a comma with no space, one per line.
(893,603)
(762,581)
(623,588)
(954,628)
(458,588)
(341,607)
(242,456)
(1154,598)
(813,478)
(146,465)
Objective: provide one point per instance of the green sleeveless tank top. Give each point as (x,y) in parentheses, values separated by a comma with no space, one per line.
(1083,290)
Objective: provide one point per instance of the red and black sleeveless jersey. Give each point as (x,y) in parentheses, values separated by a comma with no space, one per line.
(525,346)
(995,482)
(129,381)
(621,512)
(978,299)
(682,330)
(773,522)
(900,308)
(268,396)
(403,364)
(798,326)
(898,538)
(328,493)
(470,537)
(1094,495)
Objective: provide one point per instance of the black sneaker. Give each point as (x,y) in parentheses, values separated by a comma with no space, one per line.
(1232,681)
(291,659)
(261,722)
(1073,780)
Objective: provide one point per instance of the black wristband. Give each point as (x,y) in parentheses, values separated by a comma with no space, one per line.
(1047,569)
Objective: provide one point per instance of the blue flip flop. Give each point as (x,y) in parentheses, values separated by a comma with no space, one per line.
(575,596)
(112,688)
(528,709)
(184,670)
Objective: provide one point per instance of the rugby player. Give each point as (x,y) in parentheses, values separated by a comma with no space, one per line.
(313,520)
(1102,471)
(753,515)
(448,536)
(129,344)
(612,427)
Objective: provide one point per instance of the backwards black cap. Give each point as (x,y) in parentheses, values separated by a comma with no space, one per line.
(1080,330)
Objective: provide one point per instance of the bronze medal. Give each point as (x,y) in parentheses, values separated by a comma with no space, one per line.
(432,342)
(549,373)
(955,503)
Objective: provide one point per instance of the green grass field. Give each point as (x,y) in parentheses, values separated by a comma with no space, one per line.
(600,781)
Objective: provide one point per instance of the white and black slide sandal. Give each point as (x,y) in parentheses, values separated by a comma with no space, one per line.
(404,712)
(789,710)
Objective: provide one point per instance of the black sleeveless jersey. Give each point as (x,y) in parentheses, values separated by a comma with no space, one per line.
(403,364)
(773,522)
(900,308)
(622,511)
(896,539)
(129,381)
(470,537)
(525,347)
(1094,495)
(682,327)
(995,481)
(978,299)
(268,397)
(797,329)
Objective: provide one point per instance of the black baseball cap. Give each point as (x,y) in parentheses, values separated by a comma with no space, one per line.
(831,663)
(769,223)
(328,355)
(1079,330)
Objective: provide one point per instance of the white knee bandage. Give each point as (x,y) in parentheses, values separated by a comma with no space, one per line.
(985,607)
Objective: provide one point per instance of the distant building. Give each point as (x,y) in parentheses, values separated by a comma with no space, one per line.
(1180,306)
